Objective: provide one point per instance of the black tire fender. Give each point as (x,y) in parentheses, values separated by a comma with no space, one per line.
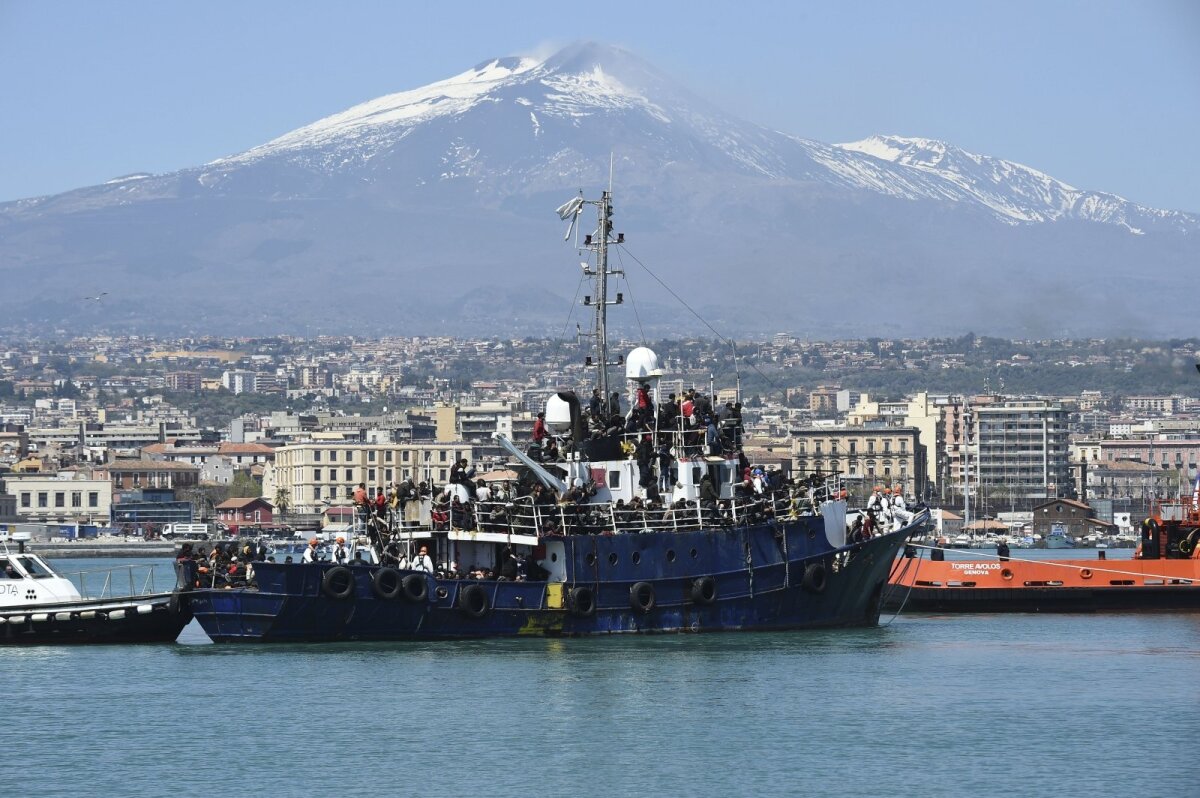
(415,588)
(338,583)
(641,596)
(385,583)
(473,600)
(704,590)
(582,601)
(815,577)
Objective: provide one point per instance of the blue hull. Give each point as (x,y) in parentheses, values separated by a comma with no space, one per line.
(767,576)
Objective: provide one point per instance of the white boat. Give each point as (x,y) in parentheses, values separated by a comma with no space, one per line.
(38,605)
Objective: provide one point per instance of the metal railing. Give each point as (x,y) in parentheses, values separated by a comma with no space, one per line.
(112,575)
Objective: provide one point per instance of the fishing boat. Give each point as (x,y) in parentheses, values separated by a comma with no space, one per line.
(636,523)
(1164,574)
(40,606)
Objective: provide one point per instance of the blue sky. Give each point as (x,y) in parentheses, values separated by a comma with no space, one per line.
(1103,95)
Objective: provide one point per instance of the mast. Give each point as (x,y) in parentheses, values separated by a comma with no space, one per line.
(598,243)
(604,211)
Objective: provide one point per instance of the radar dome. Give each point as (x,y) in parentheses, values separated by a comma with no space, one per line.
(558,416)
(642,364)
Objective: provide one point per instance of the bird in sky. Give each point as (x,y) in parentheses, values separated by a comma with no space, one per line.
(97,297)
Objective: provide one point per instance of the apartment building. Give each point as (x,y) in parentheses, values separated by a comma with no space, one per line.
(315,474)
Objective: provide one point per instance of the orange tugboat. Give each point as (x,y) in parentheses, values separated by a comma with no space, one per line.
(1164,574)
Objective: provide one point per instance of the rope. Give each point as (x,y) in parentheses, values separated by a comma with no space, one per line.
(632,301)
(571,312)
(702,320)
(1059,564)
(908,564)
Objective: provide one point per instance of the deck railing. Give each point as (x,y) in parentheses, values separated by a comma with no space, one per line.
(115,578)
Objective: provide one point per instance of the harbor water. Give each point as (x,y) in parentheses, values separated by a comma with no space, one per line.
(927,705)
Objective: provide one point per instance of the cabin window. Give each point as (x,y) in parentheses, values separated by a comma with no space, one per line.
(696,475)
(614,479)
(33,567)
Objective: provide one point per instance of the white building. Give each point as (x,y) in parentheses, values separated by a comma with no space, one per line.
(317,474)
(51,498)
(240,381)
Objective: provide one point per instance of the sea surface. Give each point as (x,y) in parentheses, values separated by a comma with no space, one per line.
(925,705)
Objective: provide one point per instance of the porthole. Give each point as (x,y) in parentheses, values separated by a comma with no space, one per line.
(590,559)
(670,555)
(637,557)
(553,556)
(694,553)
(612,558)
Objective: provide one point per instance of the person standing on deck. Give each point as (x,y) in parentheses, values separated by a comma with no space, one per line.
(422,562)
(310,554)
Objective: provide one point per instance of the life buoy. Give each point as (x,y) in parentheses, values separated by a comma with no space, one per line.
(385,583)
(815,578)
(473,600)
(582,601)
(704,590)
(641,596)
(338,583)
(1085,573)
(415,588)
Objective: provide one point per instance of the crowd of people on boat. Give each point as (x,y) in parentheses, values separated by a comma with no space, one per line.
(228,564)
(689,423)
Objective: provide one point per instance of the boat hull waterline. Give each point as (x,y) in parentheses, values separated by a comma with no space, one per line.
(1019,585)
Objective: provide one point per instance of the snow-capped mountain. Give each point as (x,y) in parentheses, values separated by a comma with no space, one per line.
(439,190)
